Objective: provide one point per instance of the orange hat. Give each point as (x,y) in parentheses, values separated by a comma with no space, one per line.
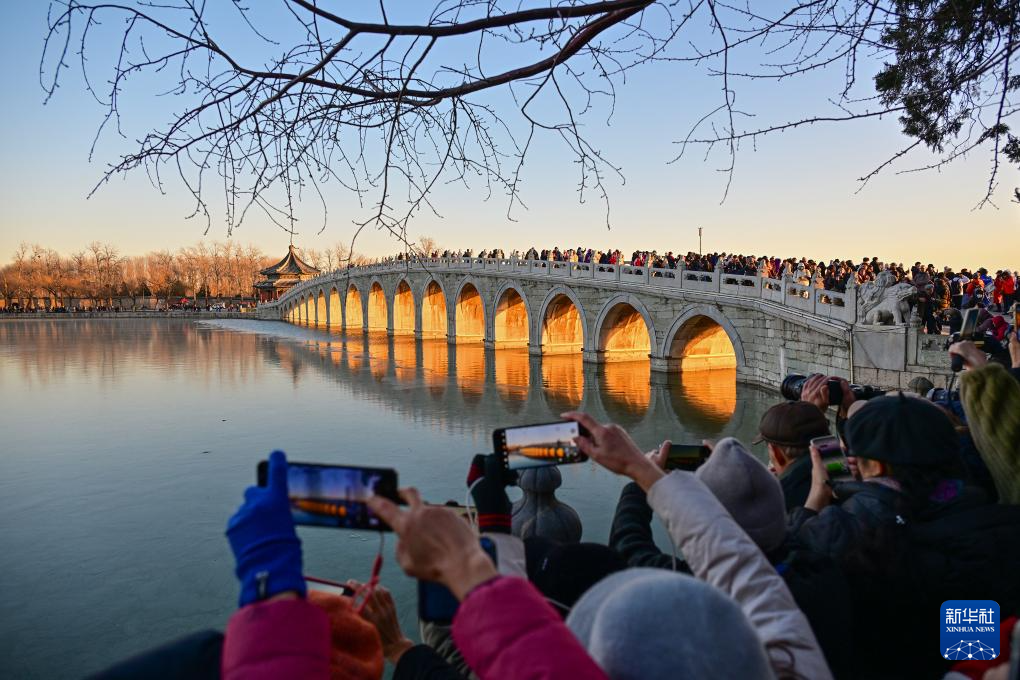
(357,649)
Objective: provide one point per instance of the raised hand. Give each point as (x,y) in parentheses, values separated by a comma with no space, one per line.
(261,534)
(611,447)
(381,611)
(488,479)
(435,544)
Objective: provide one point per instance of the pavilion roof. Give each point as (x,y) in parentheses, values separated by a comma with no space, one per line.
(290,264)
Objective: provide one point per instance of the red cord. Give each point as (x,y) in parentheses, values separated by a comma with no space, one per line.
(365,591)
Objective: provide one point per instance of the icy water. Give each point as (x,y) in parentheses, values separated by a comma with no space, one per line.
(128,443)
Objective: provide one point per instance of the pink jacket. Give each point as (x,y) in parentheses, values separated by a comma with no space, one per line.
(506,631)
(277,639)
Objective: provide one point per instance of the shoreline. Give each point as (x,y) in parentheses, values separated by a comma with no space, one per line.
(172,314)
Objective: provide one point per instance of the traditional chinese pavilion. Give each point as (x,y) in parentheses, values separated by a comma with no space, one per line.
(283,275)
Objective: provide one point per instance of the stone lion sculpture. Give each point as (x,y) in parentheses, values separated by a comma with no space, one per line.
(883,301)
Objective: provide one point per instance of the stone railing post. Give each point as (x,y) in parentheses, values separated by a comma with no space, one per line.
(850,300)
(539,513)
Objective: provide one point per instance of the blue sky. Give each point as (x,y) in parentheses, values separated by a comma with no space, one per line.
(794,193)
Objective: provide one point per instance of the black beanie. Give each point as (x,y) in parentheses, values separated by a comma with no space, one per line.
(563,572)
(902,430)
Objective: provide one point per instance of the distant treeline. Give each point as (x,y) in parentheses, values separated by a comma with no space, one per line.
(99,275)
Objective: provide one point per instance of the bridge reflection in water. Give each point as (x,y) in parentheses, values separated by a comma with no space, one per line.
(113,422)
(467,387)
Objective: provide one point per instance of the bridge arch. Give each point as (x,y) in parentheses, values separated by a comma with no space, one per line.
(511,317)
(434,322)
(624,330)
(562,326)
(378,314)
(469,312)
(321,310)
(302,310)
(702,338)
(334,310)
(403,309)
(355,315)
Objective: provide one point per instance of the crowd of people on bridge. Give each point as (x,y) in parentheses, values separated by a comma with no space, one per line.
(776,571)
(941,293)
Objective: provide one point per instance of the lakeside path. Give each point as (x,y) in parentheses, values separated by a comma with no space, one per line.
(173,314)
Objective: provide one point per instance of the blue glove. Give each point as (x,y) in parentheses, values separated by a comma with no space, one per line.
(262,536)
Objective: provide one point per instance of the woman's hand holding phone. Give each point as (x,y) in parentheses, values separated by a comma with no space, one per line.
(611,447)
(660,455)
(435,544)
(262,536)
(381,612)
(820,495)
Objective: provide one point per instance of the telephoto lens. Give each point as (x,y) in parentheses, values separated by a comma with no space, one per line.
(793,385)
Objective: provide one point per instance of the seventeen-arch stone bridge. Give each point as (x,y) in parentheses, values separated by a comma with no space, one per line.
(680,320)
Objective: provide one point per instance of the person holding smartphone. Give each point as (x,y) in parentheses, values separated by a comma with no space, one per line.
(278,632)
(717,549)
(503,627)
(990,396)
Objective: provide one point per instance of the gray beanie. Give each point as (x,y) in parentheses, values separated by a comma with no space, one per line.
(748,491)
(644,624)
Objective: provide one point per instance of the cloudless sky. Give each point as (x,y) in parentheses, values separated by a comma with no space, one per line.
(792,193)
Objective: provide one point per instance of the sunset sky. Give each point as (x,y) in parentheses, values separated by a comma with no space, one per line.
(794,194)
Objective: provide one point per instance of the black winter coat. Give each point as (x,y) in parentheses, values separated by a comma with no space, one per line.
(901,566)
(421,662)
(796,482)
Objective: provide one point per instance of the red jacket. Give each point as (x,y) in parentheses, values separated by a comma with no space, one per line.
(506,631)
(277,639)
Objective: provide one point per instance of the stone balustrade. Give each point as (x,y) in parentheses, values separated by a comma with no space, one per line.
(828,304)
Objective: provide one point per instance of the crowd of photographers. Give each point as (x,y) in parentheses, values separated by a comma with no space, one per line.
(777,571)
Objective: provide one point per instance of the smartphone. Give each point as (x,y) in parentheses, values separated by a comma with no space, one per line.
(1016,319)
(436,604)
(327,586)
(539,445)
(970,322)
(833,459)
(687,456)
(335,495)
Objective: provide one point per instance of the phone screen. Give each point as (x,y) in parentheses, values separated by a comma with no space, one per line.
(328,586)
(970,322)
(539,445)
(335,495)
(436,604)
(687,457)
(833,459)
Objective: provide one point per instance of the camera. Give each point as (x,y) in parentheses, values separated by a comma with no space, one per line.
(948,399)
(793,384)
(941,395)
